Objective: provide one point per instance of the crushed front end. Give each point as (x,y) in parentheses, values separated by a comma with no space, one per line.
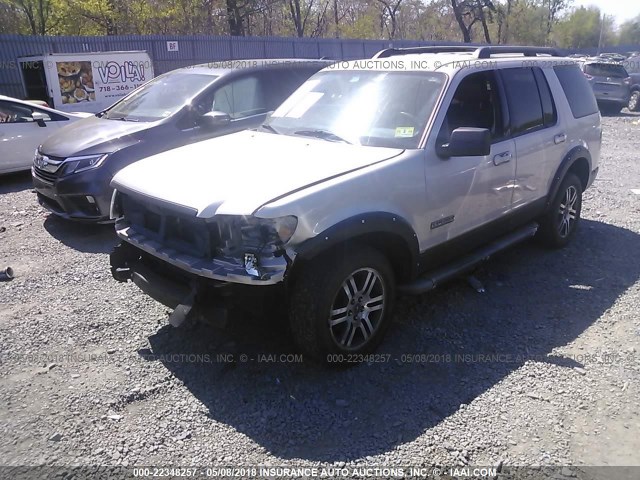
(180,259)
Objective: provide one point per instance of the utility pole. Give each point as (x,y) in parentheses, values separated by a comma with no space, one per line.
(601,30)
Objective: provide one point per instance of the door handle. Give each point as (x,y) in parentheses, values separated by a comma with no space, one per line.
(503,157)
(560,138)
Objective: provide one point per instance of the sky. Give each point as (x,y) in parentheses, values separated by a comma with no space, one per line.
(621,10)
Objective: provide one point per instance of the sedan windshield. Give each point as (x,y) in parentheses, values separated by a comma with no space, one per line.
(160,98)
(371,108)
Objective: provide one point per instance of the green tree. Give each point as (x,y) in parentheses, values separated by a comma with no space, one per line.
(630,32)
(13,20)
(585,27)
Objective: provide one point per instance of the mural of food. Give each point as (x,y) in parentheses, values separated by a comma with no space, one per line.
(76,82)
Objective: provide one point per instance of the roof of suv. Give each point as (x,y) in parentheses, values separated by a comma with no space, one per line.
(452,58)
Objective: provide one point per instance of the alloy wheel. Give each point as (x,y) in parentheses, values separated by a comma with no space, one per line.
(567,211)
(357,309)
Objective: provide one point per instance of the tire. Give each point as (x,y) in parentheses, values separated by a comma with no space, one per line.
(634,101)
(324,286)
(558,225)
(610,108)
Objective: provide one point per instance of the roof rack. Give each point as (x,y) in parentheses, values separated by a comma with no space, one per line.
(478,51)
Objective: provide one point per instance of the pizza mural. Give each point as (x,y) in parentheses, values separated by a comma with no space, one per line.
(76,82)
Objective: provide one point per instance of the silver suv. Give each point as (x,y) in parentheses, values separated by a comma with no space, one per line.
(376,177)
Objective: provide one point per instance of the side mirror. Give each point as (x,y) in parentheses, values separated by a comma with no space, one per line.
(40,118)
(214,119)
(466,142)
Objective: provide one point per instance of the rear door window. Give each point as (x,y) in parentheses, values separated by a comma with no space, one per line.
(548,105)
(523,97)
(577,90)
(242,97)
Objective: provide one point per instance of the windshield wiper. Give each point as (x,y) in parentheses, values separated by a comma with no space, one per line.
(323,134)
(269,128)
(124,119)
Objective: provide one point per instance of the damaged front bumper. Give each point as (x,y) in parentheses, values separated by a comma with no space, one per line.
(251,269)
(190,295)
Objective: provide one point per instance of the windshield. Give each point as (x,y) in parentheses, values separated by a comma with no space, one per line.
(372,108)
(160,98)
(605,70)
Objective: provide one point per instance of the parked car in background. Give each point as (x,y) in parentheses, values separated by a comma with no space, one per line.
(41,103)
(73,169)
(375,177)
(632,65)
(610,82)
(613,57)
(24,126)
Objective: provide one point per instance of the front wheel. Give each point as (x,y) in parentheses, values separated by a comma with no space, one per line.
(559,224)
(341,303)
(634,101)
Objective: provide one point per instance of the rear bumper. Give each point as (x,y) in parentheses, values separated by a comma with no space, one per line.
(76,197)
(617,97)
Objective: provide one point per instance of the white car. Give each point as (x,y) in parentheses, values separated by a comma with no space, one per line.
(24,126)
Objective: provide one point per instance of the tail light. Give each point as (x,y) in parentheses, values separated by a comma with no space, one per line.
(589,77)
(627,81)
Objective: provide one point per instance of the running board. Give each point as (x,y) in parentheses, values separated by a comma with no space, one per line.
(432,279)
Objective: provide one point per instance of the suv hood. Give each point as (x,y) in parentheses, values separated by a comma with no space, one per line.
(237,174)
(90,135)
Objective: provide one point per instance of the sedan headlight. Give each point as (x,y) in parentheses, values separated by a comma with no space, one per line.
(83,163)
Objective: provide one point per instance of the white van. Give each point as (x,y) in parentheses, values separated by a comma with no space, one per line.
(84,82)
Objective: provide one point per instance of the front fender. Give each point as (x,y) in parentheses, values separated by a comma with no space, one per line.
(390,232)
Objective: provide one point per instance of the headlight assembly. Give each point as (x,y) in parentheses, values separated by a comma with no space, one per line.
(240,234)
(268,230)
(83,163)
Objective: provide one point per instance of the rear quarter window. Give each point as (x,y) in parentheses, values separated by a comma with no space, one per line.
(577,90)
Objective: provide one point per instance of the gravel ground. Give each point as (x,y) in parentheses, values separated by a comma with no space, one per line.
(542,369)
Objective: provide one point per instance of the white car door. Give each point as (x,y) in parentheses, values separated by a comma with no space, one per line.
(20,133)
(464,193)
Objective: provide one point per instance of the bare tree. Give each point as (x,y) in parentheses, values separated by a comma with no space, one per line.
(468,12)
(300,15)
(553,7)
(389,16)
